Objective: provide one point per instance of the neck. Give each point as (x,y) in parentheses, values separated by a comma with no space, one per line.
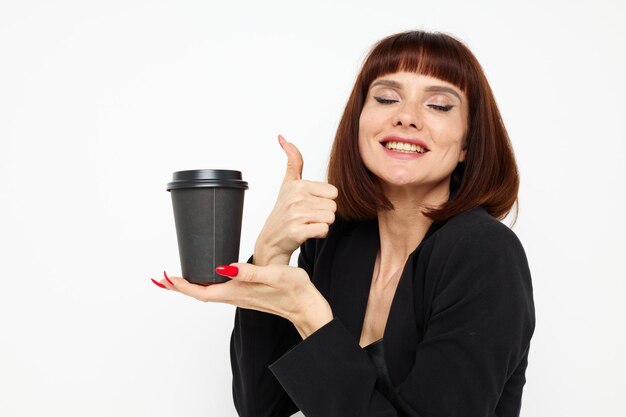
(401,230)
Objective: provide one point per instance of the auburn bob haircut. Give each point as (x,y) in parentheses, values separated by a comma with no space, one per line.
(488,177)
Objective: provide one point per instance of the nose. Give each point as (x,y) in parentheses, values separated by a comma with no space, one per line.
(408,115)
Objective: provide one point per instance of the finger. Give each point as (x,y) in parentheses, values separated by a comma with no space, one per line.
(319,216)
(321,189)
(310,231)
(158,284)
(167,278)
(168,282)
(319,203)
(295,163)
(212,292)
(249,273)
(315,230)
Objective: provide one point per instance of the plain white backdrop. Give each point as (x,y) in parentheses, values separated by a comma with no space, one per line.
(100,101)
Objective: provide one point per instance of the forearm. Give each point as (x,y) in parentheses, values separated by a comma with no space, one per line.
(330,375)
(257,340)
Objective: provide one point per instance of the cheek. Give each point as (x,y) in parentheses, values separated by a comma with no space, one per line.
(364,120)
(452,134)
(366,127)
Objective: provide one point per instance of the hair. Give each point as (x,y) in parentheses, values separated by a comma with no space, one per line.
(488,177)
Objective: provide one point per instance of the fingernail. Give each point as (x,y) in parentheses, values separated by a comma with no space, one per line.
(158,284)
(168,279)
(229,271)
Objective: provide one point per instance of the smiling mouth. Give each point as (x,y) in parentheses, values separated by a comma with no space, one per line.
(404,147)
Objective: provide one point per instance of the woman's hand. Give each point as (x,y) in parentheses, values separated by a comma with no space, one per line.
(282,290)
(304,209)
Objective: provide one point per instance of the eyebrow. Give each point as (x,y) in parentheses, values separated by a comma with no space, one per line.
(444,89)
(430,88)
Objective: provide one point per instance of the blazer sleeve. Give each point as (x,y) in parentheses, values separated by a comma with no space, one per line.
(477,336)
(258,339)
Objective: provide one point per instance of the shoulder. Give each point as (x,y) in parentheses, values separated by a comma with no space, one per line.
(475,250)
(476,231)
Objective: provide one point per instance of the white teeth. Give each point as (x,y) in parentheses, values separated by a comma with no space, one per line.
(403,146)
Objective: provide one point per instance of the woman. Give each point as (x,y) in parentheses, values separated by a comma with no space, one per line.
(411,298)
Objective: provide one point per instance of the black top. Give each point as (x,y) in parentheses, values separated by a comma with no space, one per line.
(456,340)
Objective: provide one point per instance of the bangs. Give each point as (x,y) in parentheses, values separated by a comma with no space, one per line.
(430,54)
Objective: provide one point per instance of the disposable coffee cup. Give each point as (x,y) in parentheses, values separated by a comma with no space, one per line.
(208,208)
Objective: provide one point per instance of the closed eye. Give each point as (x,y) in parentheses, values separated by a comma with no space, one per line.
(447,107)
(385,100)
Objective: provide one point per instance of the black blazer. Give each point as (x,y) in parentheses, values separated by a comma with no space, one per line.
(456,340)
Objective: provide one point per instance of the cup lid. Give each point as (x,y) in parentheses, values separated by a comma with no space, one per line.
(200,178)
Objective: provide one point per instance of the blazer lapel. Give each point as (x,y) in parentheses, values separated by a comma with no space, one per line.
(351,276)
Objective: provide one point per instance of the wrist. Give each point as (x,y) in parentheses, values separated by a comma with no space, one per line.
(313,317)
(264,255)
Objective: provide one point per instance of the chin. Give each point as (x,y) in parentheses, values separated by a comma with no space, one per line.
(402,177)
(401,182)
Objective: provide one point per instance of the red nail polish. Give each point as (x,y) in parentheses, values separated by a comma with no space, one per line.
(229,271)
(158,284)
(168,279)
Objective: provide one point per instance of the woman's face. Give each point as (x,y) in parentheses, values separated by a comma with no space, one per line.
(406,108)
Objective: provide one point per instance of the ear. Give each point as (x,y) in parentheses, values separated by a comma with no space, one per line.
(462,155)
(463,152)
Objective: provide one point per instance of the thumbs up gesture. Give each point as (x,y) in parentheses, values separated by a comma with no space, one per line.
(303,210)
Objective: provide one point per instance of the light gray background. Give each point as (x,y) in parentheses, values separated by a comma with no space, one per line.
(100,101)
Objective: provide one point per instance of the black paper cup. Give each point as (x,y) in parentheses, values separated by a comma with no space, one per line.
(208,209)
